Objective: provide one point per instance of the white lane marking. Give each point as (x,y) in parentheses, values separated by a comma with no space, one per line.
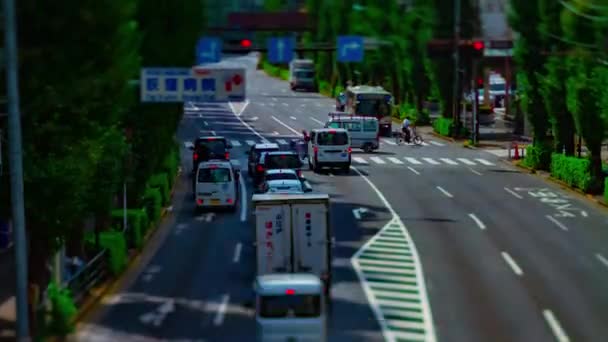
(213,133)
(424,301)
(436,143)
(360,160)
(235,143)
(254,118)
(293,118)
(448,161)
(205,123)
(444,192)
(285,104)
(285,125)
(431,161)
(559,333)
(250,142)
(243,199)
(188,144)
(386,141)
(413,170)
(466,161)
(330,174)
(476,172)
(275,133)
(243,122)
(262,104)
(514,193)
(237,252)
(512,263)
(265,94)
(242,109)
(557,223)
(272,104)
(377,160)
(221,311)
(584,213)
(413,160)
(395,160)
(485,162)
(302,104)
(281,141)
(275,99)
(478,221)
(602,259)
(317,121)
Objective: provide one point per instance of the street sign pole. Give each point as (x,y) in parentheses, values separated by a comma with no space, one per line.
(456,63)
(16,168)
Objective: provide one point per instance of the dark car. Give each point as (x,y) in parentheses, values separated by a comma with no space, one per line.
(209,148)
(255,153)
(278,160)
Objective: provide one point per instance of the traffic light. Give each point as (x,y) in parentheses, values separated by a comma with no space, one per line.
(245,43)
(479,82)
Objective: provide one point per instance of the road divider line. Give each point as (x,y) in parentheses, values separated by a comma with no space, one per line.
(556,328)
(213,133)
(244,123)
(413,170)
(285,125)
(242,109)
(476,172)
(514,193)
(205,123)
(512,263)
(602,259)
(557,223)
(317,121)
(221,311)
(478,221)
(444,192)
(237,252)
(243,199)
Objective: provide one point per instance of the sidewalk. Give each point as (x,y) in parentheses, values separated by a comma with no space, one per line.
(7,295)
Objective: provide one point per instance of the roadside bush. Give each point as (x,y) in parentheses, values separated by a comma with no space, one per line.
(325,88)
(538,157)
(115,243)
(284,74)
(574,171)
(171,164)
(136,221)
(63,311)
(443,126)
(160,181)
(152,201)
(606,189)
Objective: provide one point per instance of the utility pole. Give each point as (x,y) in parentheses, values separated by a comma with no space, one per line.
(16,168)
(456,56)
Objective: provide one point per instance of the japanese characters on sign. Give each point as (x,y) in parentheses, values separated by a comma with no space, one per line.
(269,244)
(192,85)
(308,226)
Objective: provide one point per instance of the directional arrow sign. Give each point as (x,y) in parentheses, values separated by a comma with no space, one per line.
(359,212)
(280,49)
(350,49)
(208,50)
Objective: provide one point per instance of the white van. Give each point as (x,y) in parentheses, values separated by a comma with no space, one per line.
(364,131)
(290,307)
(329,147)
(217,184)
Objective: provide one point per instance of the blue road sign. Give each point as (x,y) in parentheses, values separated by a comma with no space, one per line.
(350,49)
(280,49)
(208,50)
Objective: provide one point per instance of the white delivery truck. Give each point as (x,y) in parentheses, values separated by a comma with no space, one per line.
(302,74)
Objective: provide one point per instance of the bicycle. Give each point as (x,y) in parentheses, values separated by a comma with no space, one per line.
(414,138)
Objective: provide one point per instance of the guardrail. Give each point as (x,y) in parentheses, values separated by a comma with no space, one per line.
(93,273)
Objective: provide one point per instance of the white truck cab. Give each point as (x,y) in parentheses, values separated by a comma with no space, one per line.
(290,307)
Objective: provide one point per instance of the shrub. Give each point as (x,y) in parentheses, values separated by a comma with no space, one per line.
(171,164)
(63,311)
(443,126)
(574,171)
(116,245)
(152,200)
(137,222)
(538,157)
(606,189)
(160,181)
(284,74)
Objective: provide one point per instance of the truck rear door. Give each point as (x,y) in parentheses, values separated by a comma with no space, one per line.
(273,238)
(311,238)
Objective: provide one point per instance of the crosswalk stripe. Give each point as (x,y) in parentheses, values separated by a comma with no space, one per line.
(250,142)
(405,314)
(390,244)
(235,143)
(360,160)
(265,141)
(431,161)
(386,141)
(388,270)
(379,256)
(395,160)
(396,295)
(413,160)
(424,144)
(282,142)
(408,336)
(386,237)
(394,287)
(386,263)
(466,161)
(448,161)
(377,160)
(436,143)
(405,305)
(484,162)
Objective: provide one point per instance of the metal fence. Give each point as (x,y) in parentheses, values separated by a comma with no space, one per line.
(93,273)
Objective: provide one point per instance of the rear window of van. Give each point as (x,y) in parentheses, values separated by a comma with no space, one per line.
(370,125)
(332,139)
(219,175)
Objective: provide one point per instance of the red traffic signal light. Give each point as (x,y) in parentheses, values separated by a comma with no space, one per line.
(478,45)
(479,82)
(246,43)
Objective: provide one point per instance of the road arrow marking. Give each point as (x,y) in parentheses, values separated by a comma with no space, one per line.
(209,217)
(359,212)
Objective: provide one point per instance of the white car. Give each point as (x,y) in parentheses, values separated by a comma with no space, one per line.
(283,186)
(282,174)
(216,185)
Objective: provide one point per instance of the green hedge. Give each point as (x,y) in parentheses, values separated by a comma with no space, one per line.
(137,220)
(443,126)
(538,157)
(116,245)
(171,164)
(160,181)
(152,201)
(606,189)
(63,311)
(574,171)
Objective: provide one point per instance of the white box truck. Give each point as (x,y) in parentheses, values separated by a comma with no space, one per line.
(302,74)
(293,234)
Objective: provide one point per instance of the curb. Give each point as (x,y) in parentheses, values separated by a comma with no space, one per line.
(436,135)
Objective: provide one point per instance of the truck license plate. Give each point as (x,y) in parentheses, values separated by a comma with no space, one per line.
(215,201)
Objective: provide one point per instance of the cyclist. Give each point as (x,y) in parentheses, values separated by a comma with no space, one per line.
(405,129)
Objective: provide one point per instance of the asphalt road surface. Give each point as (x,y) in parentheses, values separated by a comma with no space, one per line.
(451,244)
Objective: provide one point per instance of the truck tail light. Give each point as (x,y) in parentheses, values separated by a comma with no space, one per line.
(199,201)
(349,150)
(227,155)
(259,168)
(195,156)
(229,201)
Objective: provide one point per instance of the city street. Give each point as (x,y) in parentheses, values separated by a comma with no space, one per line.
(465,247)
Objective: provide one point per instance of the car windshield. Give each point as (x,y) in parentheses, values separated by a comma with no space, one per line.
(305,74)
(277,176)
(214,175)
(332,138)
(305,306)
(372,107)
(211,148)
(282,161)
